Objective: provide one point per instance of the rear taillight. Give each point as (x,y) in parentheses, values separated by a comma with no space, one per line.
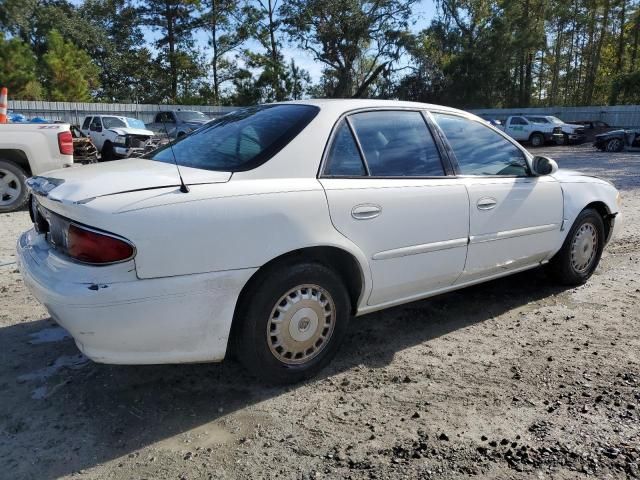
(84,244)
(90,246)
(65,143)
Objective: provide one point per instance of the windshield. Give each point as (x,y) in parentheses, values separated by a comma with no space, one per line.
(135,123)
(241,140)
(189,116)
(112,122)
(537,119)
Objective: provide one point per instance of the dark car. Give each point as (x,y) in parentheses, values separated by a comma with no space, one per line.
(618,140)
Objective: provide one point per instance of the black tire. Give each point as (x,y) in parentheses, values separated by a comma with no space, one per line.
(566,266)
(13,187)
(258,314)
(614,145)
(107,152)
(537,140)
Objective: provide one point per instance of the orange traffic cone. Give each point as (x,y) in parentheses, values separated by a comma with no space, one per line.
(3,105)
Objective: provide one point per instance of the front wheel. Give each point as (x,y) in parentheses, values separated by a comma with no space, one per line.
(107,153)
(614,145)
(580,254)
(13,187)
(291,321)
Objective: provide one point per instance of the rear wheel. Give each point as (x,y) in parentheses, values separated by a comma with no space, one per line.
(13,187)
(580,254)
(614,145)
(291,321)
(537,140)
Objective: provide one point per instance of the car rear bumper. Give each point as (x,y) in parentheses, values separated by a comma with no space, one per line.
(125,320)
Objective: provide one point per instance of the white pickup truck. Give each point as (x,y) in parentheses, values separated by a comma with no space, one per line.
(28,149)
(539,129)
(115,136)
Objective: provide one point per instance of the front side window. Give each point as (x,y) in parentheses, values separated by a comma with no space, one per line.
(480,150)
(113,122)
(397,144)
(518,121)
(344,158)
(96,123)
(85,124)
(240,140)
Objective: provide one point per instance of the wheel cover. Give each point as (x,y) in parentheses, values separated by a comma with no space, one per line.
(613,145)
(535,141)
(584,247)
(10,188)
(301,324)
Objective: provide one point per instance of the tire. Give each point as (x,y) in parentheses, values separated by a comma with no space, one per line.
(107,152)
(13,187)
(614,145)
(277,333)
(536,139)
(580,254)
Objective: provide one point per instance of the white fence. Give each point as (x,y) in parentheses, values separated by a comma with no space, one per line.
(617,115)
(75,112)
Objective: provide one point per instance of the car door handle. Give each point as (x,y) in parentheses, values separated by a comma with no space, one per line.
(366,211)
(486,203)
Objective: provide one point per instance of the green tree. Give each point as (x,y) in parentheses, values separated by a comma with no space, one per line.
(342,34)
(69,72)
(18,70)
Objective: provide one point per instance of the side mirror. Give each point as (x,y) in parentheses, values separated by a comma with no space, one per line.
(544,166)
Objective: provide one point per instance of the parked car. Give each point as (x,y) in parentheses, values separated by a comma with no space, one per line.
(266,230)
(115,136)
(562,132)
(618,140)
(30,149)
(524,130)
(177,123)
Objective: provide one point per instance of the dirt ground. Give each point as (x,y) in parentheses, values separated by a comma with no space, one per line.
(517,378)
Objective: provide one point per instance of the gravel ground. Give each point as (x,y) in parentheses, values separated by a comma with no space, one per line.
(517,378)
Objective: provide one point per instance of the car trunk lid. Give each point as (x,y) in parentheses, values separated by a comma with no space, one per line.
(78,185)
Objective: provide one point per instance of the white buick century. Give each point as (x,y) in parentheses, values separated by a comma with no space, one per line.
(267,229)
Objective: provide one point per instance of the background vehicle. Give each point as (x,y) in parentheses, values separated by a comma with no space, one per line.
(177,122)
(618,140)
(524,130)
(562,132)
(286,219)
(114,136)
(30,149)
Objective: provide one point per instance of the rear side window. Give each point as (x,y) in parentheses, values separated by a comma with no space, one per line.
(518,121)
(397,144)
(85,125)
(344,158)
(241,140)
(479,150)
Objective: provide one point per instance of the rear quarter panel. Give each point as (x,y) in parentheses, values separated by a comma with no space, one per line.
(39,142)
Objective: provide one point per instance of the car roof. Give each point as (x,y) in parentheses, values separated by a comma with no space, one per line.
(343,105)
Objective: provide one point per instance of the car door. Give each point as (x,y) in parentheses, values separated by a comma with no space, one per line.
(515,217)
(96,132)
(518,128)
(388,192)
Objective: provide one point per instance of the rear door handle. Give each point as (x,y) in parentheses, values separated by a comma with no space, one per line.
(486,203)
(366,211)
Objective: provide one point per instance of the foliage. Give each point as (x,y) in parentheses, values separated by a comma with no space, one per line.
(18,69)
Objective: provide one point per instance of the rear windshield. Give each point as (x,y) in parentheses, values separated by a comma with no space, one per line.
(241,140)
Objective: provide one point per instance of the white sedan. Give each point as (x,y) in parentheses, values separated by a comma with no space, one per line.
(268,228)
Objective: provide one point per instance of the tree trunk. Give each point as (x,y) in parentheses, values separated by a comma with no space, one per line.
(214,46)
(620,52)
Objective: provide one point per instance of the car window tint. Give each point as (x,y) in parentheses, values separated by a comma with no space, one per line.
(344,158)
(518,121)
(240,140)
(85,125)
(397,144)
(113,122)
(96,122)
(479,150)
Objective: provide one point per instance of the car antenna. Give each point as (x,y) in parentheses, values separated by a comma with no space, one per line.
(183,186)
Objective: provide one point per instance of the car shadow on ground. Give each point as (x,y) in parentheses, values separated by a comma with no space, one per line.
(86,414)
